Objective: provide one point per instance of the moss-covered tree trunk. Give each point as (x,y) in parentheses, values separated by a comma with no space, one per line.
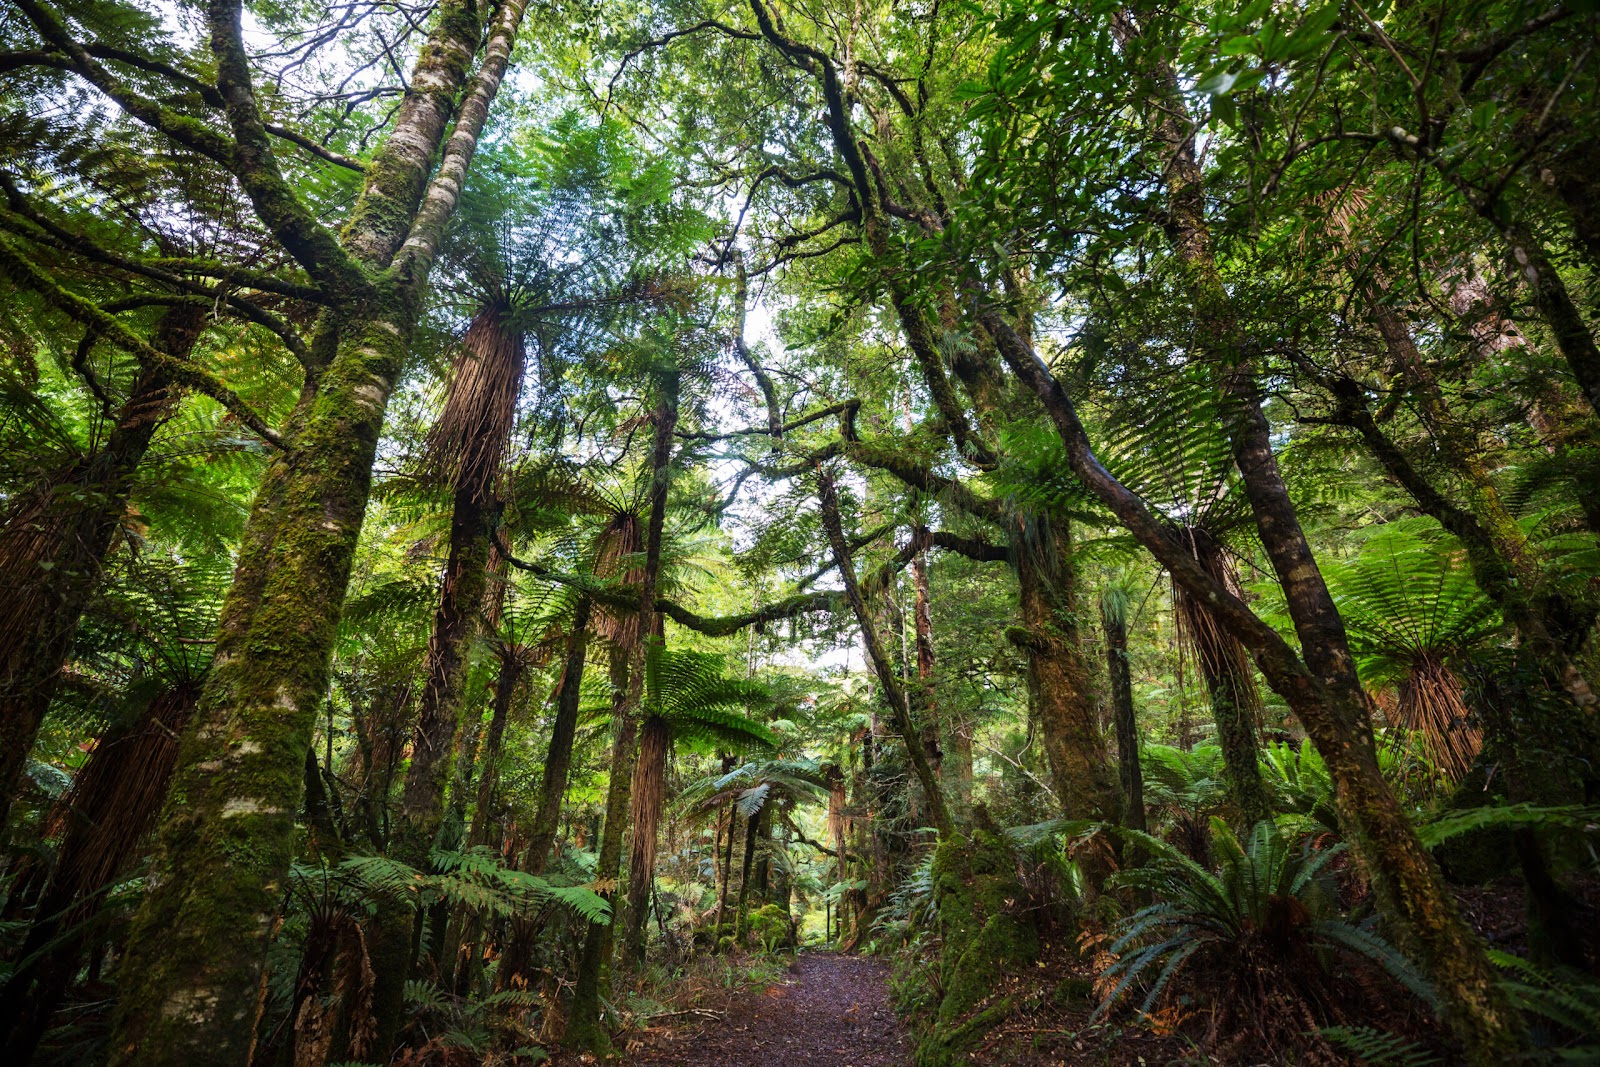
(513,666)
(1058,671)
(1324,691)
(986,940)
(53,546)
(191,977)
(455,620)
(752,835)
(397,934)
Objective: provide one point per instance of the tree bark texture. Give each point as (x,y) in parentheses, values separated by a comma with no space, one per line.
(1230,684)
(649,790)
(107,814)
(1115,624)
(1058,671)
(1410,889)
(191,976)
(558,761)
(585,1028)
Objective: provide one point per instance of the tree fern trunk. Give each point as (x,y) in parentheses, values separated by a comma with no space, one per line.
(558,760)
(585,1028)
(649,788)
(1230,684)
(53,547)
(106,815)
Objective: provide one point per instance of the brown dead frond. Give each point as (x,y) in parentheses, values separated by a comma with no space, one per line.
(467,444)
(617,556)
(1431,704)
(1218,653)
(114,801)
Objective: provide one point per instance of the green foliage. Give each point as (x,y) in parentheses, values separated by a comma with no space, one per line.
(1188,781)
(475,879)
(703,705)
(1377,1047)
(1570,821)
(1409,592)
(1268,908)
(1565,1004)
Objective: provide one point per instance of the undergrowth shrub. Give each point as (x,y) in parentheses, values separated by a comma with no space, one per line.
(1258,944)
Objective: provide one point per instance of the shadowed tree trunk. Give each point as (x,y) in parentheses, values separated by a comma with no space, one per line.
(465,450)
(649,788)
(1114,620)
(557,766)
(1323,691)
(558,761)
(106,815)
(53,547)
(893,693)
(1058,671)
(584,1028)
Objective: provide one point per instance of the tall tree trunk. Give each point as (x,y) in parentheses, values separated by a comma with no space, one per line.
(1058,670)
(922,625)
(455,621)
(585,1028)
(594,971)
(53,548)
(106,815)
(649,792)
(752,834)
(1410,890)
(397,935)
(893,693)
(1333,707)
(518,955)
(191,977)
(467,926)
(512,668)
(1113,619)
(558,761)
(727,873)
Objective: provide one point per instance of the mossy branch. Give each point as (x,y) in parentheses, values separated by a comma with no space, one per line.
(291,222)
(25,272)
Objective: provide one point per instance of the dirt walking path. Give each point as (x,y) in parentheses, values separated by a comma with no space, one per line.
(831,1011)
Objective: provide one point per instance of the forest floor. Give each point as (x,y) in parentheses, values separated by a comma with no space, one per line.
(829,1010)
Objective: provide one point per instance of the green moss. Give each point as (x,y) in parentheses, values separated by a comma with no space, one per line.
(984,939)
(773,928)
